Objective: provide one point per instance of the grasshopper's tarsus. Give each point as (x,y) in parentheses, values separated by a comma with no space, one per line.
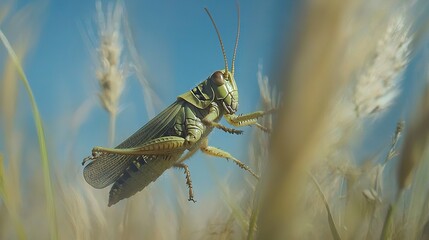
(87,159)
(263,128)
(94,155)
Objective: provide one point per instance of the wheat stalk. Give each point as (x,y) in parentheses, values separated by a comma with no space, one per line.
(41,138)
(110,72)
(378,86)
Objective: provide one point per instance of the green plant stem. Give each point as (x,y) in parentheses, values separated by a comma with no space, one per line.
(41,138)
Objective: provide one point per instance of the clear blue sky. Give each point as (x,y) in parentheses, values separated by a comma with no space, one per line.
(180,49)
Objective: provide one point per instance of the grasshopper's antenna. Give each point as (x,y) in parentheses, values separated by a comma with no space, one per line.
(236,39)
(220,41)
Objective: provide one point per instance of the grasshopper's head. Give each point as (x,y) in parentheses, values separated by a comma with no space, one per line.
(222,82)
(225,90)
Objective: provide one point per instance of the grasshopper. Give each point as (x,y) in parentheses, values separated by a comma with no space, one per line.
(173,136)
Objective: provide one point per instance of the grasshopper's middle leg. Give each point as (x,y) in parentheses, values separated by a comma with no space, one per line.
(216,152)
(188,179)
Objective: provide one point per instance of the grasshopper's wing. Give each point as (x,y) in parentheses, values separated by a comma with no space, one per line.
(107,168)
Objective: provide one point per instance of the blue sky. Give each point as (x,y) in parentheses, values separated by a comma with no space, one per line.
(179,47)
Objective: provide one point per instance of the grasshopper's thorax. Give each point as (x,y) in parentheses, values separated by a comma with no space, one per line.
(219,87)
(225,90)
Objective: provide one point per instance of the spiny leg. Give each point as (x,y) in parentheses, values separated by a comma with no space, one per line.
(252,115)
(263,128)
(216,152)
(249,123)
(221,127)
(214,112)
(157,146)
(248,119)
(188,179)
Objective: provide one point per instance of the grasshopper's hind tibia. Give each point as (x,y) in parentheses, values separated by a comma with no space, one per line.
(216,152)
(188,179)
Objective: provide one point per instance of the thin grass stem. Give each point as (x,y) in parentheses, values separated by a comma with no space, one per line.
(332,226)
(41,138)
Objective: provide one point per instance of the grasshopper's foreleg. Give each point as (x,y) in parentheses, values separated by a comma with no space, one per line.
(248,119)
(216,152)
(157,146)
(213,114)
(188,179)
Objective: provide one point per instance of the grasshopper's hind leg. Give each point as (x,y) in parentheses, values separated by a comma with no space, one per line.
(216,152)
(188,179)
(157,146)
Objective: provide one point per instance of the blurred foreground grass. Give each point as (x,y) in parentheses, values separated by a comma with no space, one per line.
(342,72)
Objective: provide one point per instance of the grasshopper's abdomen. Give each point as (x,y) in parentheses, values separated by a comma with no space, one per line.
(142,171)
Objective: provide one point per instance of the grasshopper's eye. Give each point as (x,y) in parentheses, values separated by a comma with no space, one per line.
(217,78)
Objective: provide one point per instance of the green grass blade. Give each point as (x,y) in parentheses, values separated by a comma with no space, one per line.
(41,138)
(332,226)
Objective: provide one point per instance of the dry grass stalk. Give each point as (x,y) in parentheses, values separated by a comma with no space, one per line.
(413,209)
(41,138)
(12,183)
(415,143)
(378,87)
(258,151)
(10,199)
(327,57)
(23,31)
(22,35)
(331,221)
(110,72)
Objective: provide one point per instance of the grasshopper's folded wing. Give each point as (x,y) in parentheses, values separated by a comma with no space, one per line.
(107,168)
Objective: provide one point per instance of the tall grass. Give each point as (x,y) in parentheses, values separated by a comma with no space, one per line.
(49,194)
(110,73)
(338,84)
